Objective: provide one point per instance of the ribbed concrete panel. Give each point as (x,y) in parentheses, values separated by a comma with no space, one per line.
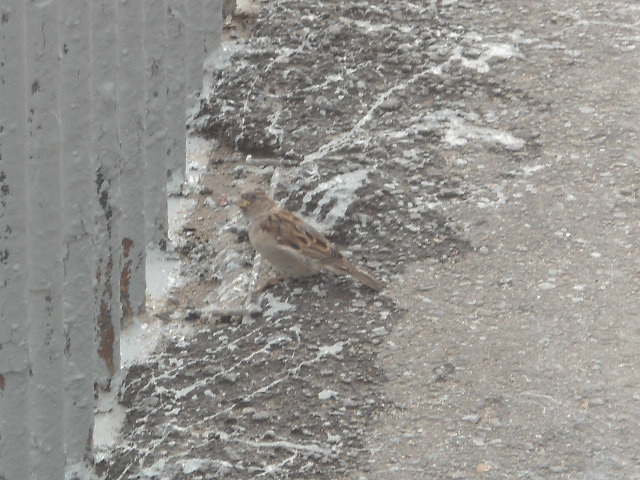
(175,101)
(156,140)
(78,228)
(131,106)
(92,126)
(15,455)
(45,339)
(195,25)
(105,153)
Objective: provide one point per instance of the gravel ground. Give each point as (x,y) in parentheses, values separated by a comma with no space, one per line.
(482,158)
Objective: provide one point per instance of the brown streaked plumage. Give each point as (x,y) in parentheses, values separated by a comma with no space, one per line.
(291,245)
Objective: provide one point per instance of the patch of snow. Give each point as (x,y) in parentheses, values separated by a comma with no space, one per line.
(108,420)
(140,338)
(276,132)
(528,171)
(517,37)
(220,59)
(458,132)
(198,154)
(502,51)
(275,306)
(179,210)
(340,189)
(334,349)
(80,471)
(192,465)
(106,431)
(154,471)
(161,271)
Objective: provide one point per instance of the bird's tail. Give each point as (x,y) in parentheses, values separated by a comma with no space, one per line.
(346,268)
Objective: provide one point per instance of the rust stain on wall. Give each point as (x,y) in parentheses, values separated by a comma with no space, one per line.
(106,331)
(88,455)
(125,279)
(107,338)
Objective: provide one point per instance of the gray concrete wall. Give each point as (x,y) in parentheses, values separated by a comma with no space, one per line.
(92,125)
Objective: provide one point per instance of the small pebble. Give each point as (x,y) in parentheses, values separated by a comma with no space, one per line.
(327,394)
(229,377)
(471,418)
(558,469)
(390,104)
(379,332)
(150,401)
(350,403)
(260,416)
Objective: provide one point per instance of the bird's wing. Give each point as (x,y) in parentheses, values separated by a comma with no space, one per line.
(292,232)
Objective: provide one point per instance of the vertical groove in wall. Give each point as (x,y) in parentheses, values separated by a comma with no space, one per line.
(175,100)
(105,154)
(78,203)
(15,461)
(195,46)
(45,277)
(130,101)
(213,22)
(156,139)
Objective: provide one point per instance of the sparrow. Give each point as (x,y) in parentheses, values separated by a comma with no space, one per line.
(291,245)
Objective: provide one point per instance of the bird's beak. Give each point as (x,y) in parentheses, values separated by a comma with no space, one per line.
(243,203)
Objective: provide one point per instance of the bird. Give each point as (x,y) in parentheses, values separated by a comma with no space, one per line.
(291,245)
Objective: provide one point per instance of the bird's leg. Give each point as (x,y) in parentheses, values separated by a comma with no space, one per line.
(270,283)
